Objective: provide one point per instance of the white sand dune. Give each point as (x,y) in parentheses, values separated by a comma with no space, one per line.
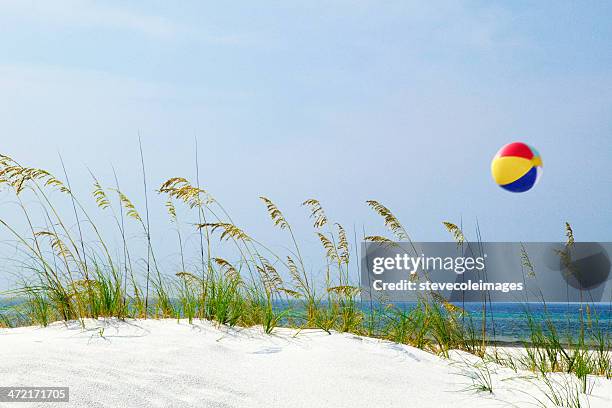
(167,363)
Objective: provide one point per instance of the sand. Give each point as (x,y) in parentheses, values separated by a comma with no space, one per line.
(165,363)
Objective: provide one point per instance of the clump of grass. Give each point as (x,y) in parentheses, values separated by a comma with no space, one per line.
(502,358)
(587,354)
(224,302)
(560,392)
(480,376)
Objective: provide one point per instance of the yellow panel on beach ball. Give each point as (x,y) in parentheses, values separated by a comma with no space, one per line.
(508,169)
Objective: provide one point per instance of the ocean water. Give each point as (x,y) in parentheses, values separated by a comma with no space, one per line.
(509,321)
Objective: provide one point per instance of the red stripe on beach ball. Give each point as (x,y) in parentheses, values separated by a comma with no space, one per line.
(516,149)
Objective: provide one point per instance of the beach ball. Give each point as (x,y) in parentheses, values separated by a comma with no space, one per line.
(516,167)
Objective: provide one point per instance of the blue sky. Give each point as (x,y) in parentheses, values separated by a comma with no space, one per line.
(403,102)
